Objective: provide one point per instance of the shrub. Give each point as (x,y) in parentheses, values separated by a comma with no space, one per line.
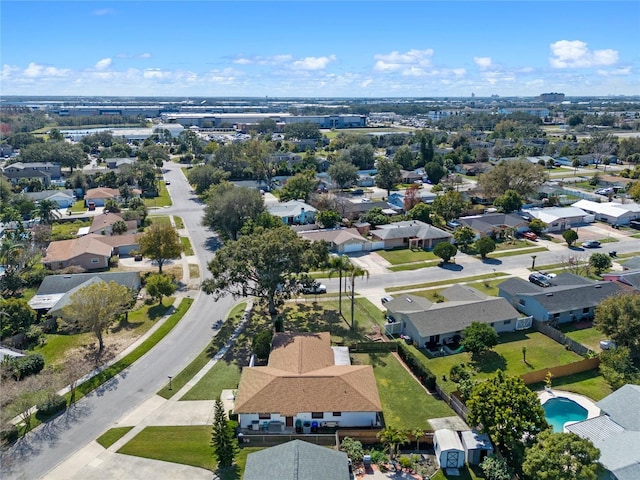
(378,457)
(8,434)
(417,367)
(28,365)
(406,462)
(51,406)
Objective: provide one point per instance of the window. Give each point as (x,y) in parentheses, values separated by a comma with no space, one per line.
(507,322)
(337,414)
(585,310)
(264,416)
(94,260)
(317,415)
(556,315)
(521,301)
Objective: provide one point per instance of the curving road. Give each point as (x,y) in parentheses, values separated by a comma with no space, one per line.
(40,451)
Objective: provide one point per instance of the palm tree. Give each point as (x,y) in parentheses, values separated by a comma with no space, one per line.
(339,264)
(47,211)
(392,438)
(418,433)
(10,250)
(355,271)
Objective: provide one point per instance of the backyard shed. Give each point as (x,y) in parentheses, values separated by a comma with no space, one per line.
(477,446)
(448,448)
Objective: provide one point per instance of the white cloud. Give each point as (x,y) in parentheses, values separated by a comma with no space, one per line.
(483,62)
(144,55)
(366,83)
(615,72)
(313,63)
(35,70)
(103,64)
(8,71)
(155,73)
(260,60)
(406,62)
(576,54)
(103,11)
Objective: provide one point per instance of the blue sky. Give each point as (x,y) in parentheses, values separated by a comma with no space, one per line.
(320,49)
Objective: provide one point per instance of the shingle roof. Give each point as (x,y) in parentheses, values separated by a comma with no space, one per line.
(574,297)
(337,236)
(409,229)
(102,192)
(46,194)
(482,223)
(67,249)
(301,377)
(631,263)
(297,460)
(617,406)
(63,283)
(462,292)
(108,219)
(292,208)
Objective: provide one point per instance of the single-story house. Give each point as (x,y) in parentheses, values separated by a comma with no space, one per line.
(616,432)
(569,298)
(410,233)
(297,460)
(431,324)
(365,180)
(340,240)
(396,199)
(632,263)
(477,446)
(100,195)
(123,244)
(627,277)
(55,290)
(559,219)
(88,252)
(411,176)
(293,212)
(472,169)
(494,224)
(307,382)
(103,224)
(611,212)
(448,448)
(63,198)
(353,208)
(113,163)
(43,171)
(289,158)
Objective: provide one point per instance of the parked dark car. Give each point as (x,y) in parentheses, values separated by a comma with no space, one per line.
(539,279)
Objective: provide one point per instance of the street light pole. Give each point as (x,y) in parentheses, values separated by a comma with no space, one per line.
(170,386)
(533,262)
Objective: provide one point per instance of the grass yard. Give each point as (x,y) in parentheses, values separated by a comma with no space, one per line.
(179,223)
(112,435)
(187,445)
(160,219)
(67,230)
(162,200)
(521,251)
(542,352)
(590,384)
(414,266)
(186,245)
(405,403)
(466,473)
(589,337)
(446,282)
(405,255)
(181,379)
(194,270)
(222,375)
(78,207)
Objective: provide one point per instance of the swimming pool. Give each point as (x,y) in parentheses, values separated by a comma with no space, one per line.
(562,407)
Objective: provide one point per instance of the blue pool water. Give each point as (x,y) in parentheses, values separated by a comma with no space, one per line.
(561,410)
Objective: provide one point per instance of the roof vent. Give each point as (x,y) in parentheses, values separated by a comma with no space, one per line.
(598,286)
(409,300)
(549,294)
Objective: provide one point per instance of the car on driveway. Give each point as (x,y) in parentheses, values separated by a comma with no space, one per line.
(591,244)
(530,236)
(386,299)
(315,287)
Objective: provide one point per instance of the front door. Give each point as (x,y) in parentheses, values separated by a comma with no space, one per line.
(289,421)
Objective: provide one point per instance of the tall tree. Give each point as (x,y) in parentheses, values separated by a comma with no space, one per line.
(159,285)
(339,264)
(160,243)
(445,251)
(600,262)
(485,245)
(224,442)
(509,201)
(435,172)
(96,306)
(299,187)
(388,175)
(602,145)
(229,208)
(421,211)
(450,205)
(404,157)
(270,264)
(562,456)
(508,411)
(343,173)
(618,317)
(464,235)
(204,176)
(570,236)
(479,337)
(355,272)
(520,176)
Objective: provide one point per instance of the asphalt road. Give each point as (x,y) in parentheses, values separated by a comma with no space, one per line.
(40,451)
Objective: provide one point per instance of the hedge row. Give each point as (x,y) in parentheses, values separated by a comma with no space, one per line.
(28,365)
(417,366)
(50,407)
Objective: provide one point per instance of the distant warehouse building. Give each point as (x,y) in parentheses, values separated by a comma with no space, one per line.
(610,212)
(213,120)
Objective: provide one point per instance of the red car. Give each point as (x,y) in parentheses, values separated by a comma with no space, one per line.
(530,236)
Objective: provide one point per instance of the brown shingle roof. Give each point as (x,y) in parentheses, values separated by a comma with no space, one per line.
(301,377)
(117,240)
(102,192)
(67,249)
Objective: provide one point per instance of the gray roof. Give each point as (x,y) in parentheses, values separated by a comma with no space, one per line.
(473,440)
(597,429)
(409,229)
(63,283)
(630,277)
(462,292)
(482,223)
(408,304)
(297,460)
(617,406)
(36,196)
(453,316)
(292,208)
(631,263)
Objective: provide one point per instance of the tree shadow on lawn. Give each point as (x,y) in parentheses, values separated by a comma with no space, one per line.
(453,267)
(489,362)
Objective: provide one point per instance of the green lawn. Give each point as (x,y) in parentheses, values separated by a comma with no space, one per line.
(405,403)
(589,337)
(160,219)
(162,200)
(405,255)
(446,282)
(414,266)
(112,435)
(181,379)
(78,207)
(542,352)
(186,245)
(194,271)
(466,473)
(590,384)
(179,223)
(222,375)
(522,251)
(187,445)
(67,230)
(56,345)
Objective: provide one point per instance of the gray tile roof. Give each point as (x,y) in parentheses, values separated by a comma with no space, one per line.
(409,229)
(63,283)
(565,298)
(617,406)
(408,304)
(488,221)
(297,460)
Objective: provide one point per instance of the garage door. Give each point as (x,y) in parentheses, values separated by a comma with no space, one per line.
(353,247)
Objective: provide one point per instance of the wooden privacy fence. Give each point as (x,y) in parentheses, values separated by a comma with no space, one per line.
(561,338)
(456,404)
(561,371)
(370,437)
(373,347)
(266,440)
